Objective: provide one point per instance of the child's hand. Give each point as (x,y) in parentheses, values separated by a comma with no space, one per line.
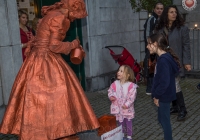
(156,102)
(124,107)
(112,98)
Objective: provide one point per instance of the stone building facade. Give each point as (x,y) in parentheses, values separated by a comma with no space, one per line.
(109,22)
(10,49)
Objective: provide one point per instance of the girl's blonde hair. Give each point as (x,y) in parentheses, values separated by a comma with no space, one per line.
(128,73)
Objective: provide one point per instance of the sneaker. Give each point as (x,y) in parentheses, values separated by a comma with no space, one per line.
(147,93)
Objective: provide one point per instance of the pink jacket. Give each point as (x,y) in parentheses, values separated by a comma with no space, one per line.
(125,95)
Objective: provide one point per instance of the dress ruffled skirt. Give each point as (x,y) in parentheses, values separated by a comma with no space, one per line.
(47,101)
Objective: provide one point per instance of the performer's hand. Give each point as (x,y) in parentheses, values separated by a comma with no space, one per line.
(76,43)
(112,98)
(188,67)
(24,45)
(124,107)
(156,102)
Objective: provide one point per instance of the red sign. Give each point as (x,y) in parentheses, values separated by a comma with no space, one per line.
(189,5)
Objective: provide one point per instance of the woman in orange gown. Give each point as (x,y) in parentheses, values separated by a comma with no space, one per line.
(47,101)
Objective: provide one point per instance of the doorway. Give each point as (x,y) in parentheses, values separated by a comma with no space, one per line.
(74,31)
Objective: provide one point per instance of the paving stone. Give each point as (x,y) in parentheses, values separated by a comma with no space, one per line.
(145,124)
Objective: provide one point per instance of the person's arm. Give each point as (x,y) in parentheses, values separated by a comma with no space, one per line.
(112,92)
(148,28)
(57,33)
(163,72)
(131,96)
(186,48)
(23,45)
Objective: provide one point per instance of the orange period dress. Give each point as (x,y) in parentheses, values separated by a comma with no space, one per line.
(47,101)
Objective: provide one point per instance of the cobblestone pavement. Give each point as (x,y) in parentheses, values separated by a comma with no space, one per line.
(145,124)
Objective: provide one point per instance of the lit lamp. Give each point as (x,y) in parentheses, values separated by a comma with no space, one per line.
(149,14)
(195,26)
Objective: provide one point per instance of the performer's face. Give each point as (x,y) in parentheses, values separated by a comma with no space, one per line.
(77,10)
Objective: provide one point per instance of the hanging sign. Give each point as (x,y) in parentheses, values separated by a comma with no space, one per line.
(189,5)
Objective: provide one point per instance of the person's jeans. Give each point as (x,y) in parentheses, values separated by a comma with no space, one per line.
(164,119)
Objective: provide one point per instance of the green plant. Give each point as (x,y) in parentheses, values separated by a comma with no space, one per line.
(138,5)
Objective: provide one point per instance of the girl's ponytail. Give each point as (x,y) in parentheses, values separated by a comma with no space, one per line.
(163,44)
(169,50)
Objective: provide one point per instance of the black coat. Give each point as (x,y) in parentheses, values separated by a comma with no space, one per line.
(149,26)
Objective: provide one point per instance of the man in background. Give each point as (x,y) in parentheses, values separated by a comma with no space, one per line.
(150,60)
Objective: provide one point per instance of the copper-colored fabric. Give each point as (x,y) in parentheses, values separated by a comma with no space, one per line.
(47,101)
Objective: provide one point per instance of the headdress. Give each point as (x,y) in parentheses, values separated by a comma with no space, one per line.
(76,6)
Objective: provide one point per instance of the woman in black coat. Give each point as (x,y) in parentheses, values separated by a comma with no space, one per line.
(172,25)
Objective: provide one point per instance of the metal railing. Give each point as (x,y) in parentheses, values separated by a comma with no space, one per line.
(195,49)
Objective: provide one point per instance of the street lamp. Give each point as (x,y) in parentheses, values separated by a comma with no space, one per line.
(195,26)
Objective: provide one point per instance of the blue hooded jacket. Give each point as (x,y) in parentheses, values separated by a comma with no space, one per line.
(166,70)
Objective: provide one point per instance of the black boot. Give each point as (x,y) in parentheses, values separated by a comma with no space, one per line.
(174,108)
(181,116)
(182,109)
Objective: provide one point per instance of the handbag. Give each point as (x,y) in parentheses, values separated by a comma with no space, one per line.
(151,64)
(114,134)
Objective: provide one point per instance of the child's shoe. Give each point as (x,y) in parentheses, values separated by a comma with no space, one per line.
(124,138)
(128,138)
(147,93)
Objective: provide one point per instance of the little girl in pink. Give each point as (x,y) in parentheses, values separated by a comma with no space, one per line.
(122,94)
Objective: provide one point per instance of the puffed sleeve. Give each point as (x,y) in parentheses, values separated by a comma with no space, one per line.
(186,45)
(112,90)
(57,34)
(131,96)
